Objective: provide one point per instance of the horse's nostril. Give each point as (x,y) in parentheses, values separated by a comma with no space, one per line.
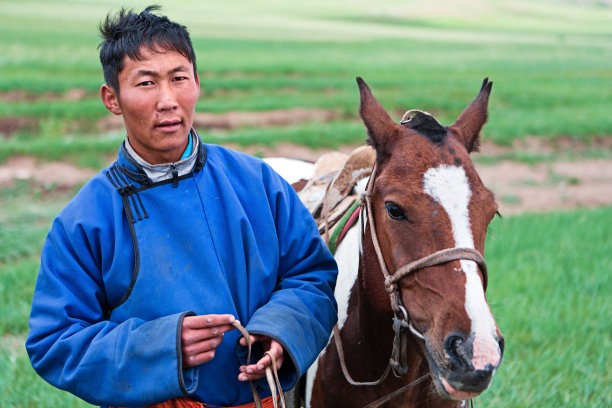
(454,345)
(502,344)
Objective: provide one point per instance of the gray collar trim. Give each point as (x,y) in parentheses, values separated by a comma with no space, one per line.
(161,172)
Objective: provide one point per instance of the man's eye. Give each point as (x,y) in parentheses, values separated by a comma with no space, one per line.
(395,211)
(180,78)
(145,83)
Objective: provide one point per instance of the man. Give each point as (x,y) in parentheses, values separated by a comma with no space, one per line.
(145,270)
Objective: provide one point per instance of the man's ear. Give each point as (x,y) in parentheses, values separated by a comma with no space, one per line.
(197,80)
(110,99)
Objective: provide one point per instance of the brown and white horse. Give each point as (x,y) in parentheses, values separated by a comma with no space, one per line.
(419,300)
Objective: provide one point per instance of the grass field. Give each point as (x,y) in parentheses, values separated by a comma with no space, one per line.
(551,62)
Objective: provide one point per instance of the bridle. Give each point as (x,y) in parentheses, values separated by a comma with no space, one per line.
(401,321)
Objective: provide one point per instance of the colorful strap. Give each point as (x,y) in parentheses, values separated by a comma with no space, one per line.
(348,220)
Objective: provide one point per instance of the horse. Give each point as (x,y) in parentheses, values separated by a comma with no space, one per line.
(412,278)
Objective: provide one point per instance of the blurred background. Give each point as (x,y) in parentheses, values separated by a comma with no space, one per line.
(278,79)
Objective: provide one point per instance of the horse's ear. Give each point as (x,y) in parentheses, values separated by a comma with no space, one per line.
(381,128)
(472,119)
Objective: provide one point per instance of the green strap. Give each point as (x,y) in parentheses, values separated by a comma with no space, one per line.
(333,241)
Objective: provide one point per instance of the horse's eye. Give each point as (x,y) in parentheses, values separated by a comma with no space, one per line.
(395,211)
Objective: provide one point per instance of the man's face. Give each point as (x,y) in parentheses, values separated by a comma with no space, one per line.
(157,99)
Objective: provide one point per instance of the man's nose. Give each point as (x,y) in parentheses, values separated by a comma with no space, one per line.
(167,97)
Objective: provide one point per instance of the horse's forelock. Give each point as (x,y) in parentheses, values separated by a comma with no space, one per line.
(425,124)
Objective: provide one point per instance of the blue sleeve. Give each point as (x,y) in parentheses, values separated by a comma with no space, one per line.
(73,345)
(302,310)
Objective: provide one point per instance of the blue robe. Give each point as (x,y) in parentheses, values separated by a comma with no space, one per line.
(128,259)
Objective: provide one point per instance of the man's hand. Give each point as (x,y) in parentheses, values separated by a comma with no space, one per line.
(201,335)
(258,370)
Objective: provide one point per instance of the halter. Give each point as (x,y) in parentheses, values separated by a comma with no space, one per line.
(437,258)
(401,321)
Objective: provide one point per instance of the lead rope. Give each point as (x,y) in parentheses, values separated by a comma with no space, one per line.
(347,376)
(271,374)
(395,393)
(382,378)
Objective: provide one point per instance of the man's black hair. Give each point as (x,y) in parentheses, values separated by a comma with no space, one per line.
(127,31)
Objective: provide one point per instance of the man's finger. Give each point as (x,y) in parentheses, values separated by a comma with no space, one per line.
(192,336)
(195,360)
(208,321)
(202,346)
(257,370)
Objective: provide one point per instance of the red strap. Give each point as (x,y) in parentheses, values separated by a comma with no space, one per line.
(265,403)
(183,402)
(349,223)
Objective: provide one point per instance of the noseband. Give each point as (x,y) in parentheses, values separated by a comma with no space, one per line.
(401,321)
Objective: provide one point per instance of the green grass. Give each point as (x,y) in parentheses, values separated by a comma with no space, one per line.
(25,218)
(21,386)
(310,134)
(550,62)
(550,285)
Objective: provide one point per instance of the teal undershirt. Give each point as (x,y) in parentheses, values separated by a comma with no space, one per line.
(189,148)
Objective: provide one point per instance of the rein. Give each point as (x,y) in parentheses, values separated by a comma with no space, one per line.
(271,374)
(401,322)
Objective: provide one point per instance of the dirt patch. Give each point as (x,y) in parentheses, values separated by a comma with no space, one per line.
(518,187)
(235,119)
(47,174)
(541,146)
(289,150)
(10,125)
(545,187)
(75,94)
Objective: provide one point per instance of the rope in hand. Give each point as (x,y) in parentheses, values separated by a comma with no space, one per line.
(271,374)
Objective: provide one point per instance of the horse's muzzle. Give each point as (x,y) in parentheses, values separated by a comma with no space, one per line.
(470,366)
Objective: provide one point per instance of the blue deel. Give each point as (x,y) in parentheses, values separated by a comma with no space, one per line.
(126,261)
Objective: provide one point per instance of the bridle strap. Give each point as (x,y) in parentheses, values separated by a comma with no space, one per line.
(366,198)
(437,258)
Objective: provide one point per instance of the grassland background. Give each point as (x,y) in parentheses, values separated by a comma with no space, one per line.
(551,62)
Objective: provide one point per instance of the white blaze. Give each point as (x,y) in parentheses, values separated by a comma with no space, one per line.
(449,186)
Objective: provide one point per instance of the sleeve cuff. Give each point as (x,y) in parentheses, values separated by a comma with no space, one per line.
(187,377)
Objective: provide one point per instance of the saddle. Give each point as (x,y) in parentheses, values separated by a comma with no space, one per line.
(330,193)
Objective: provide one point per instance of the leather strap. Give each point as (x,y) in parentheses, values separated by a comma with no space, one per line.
(347,376)
(437,258)
(271,373)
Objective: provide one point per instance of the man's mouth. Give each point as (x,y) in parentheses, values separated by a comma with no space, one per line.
(169,125)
